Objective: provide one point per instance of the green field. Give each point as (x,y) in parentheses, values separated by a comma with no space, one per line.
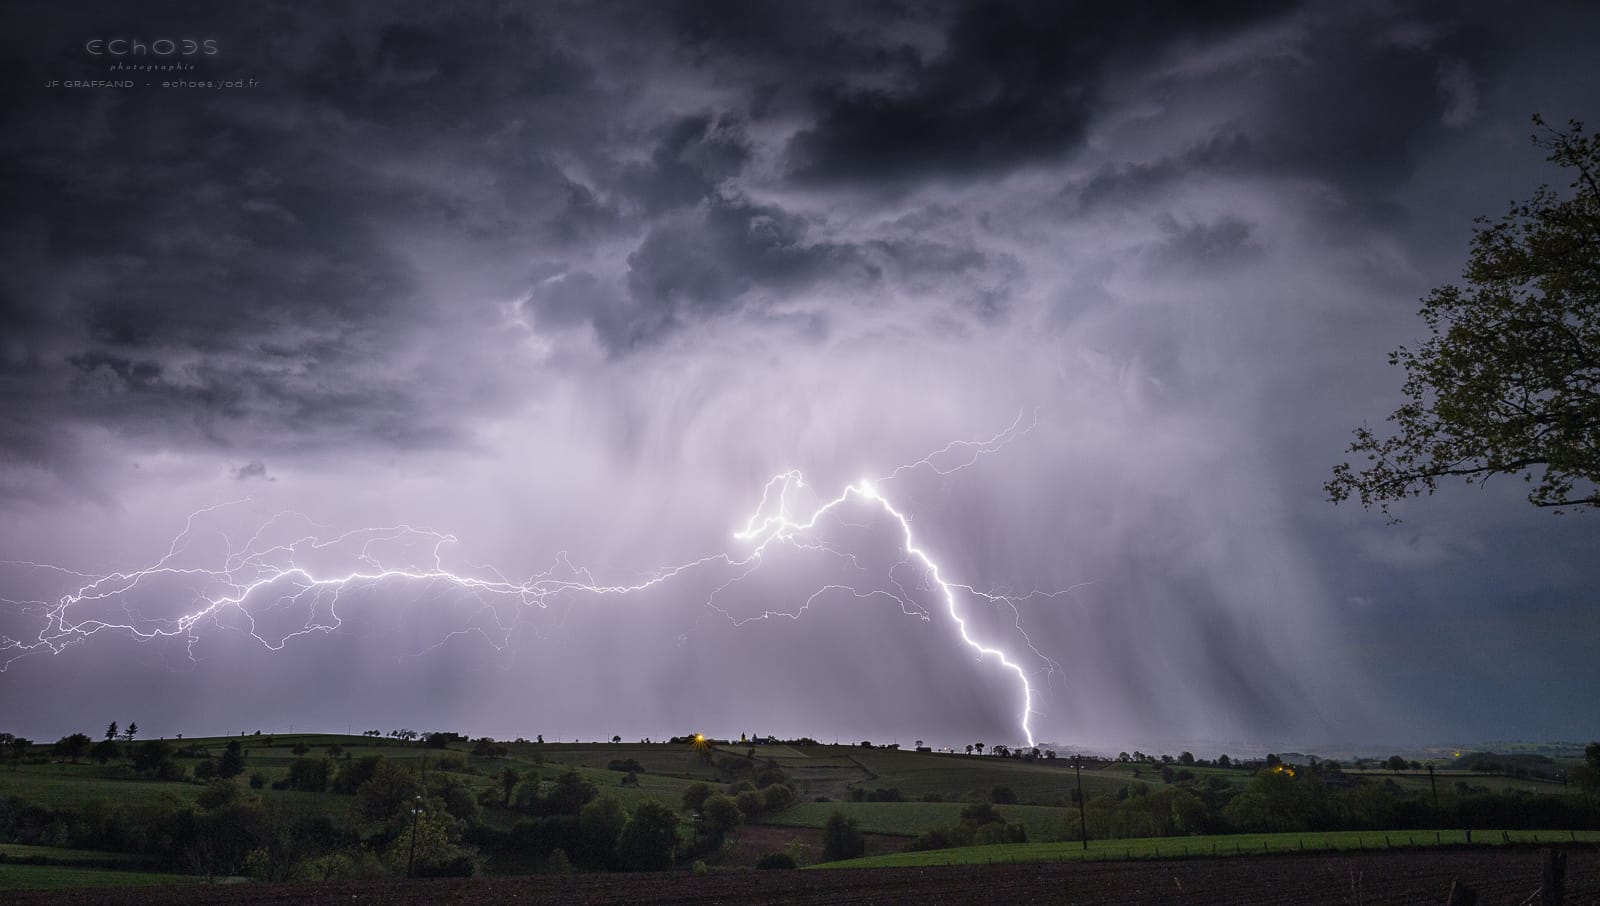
(59,855)
(911,818)
(1044,782)
(55,877)
(1227,845)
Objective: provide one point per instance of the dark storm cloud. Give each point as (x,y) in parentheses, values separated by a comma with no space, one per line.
(1356,103)
(731,254)
(245,270)
(254,469)
(691,158)
(689,270)
(1014,83)
(579,276)
(222,267)
(1210,244)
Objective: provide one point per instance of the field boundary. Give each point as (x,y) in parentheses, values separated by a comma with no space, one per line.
(1226,846)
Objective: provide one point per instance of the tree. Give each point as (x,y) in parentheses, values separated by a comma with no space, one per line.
(310,775)
(508,781)
(979,747)
(719,815)
(111,731)
(426,845)
(133,730)
(841,838)
(570,793)
(232,762)
(969,748)
(73,747)
(695,795)
(1587,775)
(650,838)
(616,739)
(1395,763)
(599,826)
(1271,802)
(388,795)
(1508,381)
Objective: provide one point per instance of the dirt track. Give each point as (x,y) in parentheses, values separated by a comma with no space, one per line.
(1370,879)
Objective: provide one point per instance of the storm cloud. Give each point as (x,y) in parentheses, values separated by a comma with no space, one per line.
(569,283)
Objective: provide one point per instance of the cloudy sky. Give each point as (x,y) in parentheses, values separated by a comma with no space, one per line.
(546,293)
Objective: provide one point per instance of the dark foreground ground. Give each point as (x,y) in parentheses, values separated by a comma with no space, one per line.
(1368,879)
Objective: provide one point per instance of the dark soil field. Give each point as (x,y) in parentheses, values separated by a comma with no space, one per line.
(1371,879)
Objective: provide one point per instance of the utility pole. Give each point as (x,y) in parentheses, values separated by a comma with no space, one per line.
(411,857)
(1083,823)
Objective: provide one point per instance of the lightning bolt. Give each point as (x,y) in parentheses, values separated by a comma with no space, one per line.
(275,576)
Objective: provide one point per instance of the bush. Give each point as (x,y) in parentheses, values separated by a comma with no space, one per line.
(777,797)
(695,795)
(357,864)
(719,815)
(309,775)
(750,802)
(776,861)
(649,840)
(841,838)
(455,763)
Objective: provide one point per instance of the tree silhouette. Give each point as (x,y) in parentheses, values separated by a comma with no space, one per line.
(111,731)
(73,747)
(1508,381)
(232,762)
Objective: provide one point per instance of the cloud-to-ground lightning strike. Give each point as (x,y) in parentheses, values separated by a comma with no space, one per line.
(263,576)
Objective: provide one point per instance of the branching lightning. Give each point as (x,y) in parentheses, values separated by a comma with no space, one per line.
(261,577)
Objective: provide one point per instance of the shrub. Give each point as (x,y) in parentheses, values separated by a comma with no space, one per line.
(776,861)
(841,838)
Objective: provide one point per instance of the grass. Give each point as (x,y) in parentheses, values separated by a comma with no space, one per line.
(1228,845)
(72,789)
(58,855)
(1044,782)
(912,818)
(56,877)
